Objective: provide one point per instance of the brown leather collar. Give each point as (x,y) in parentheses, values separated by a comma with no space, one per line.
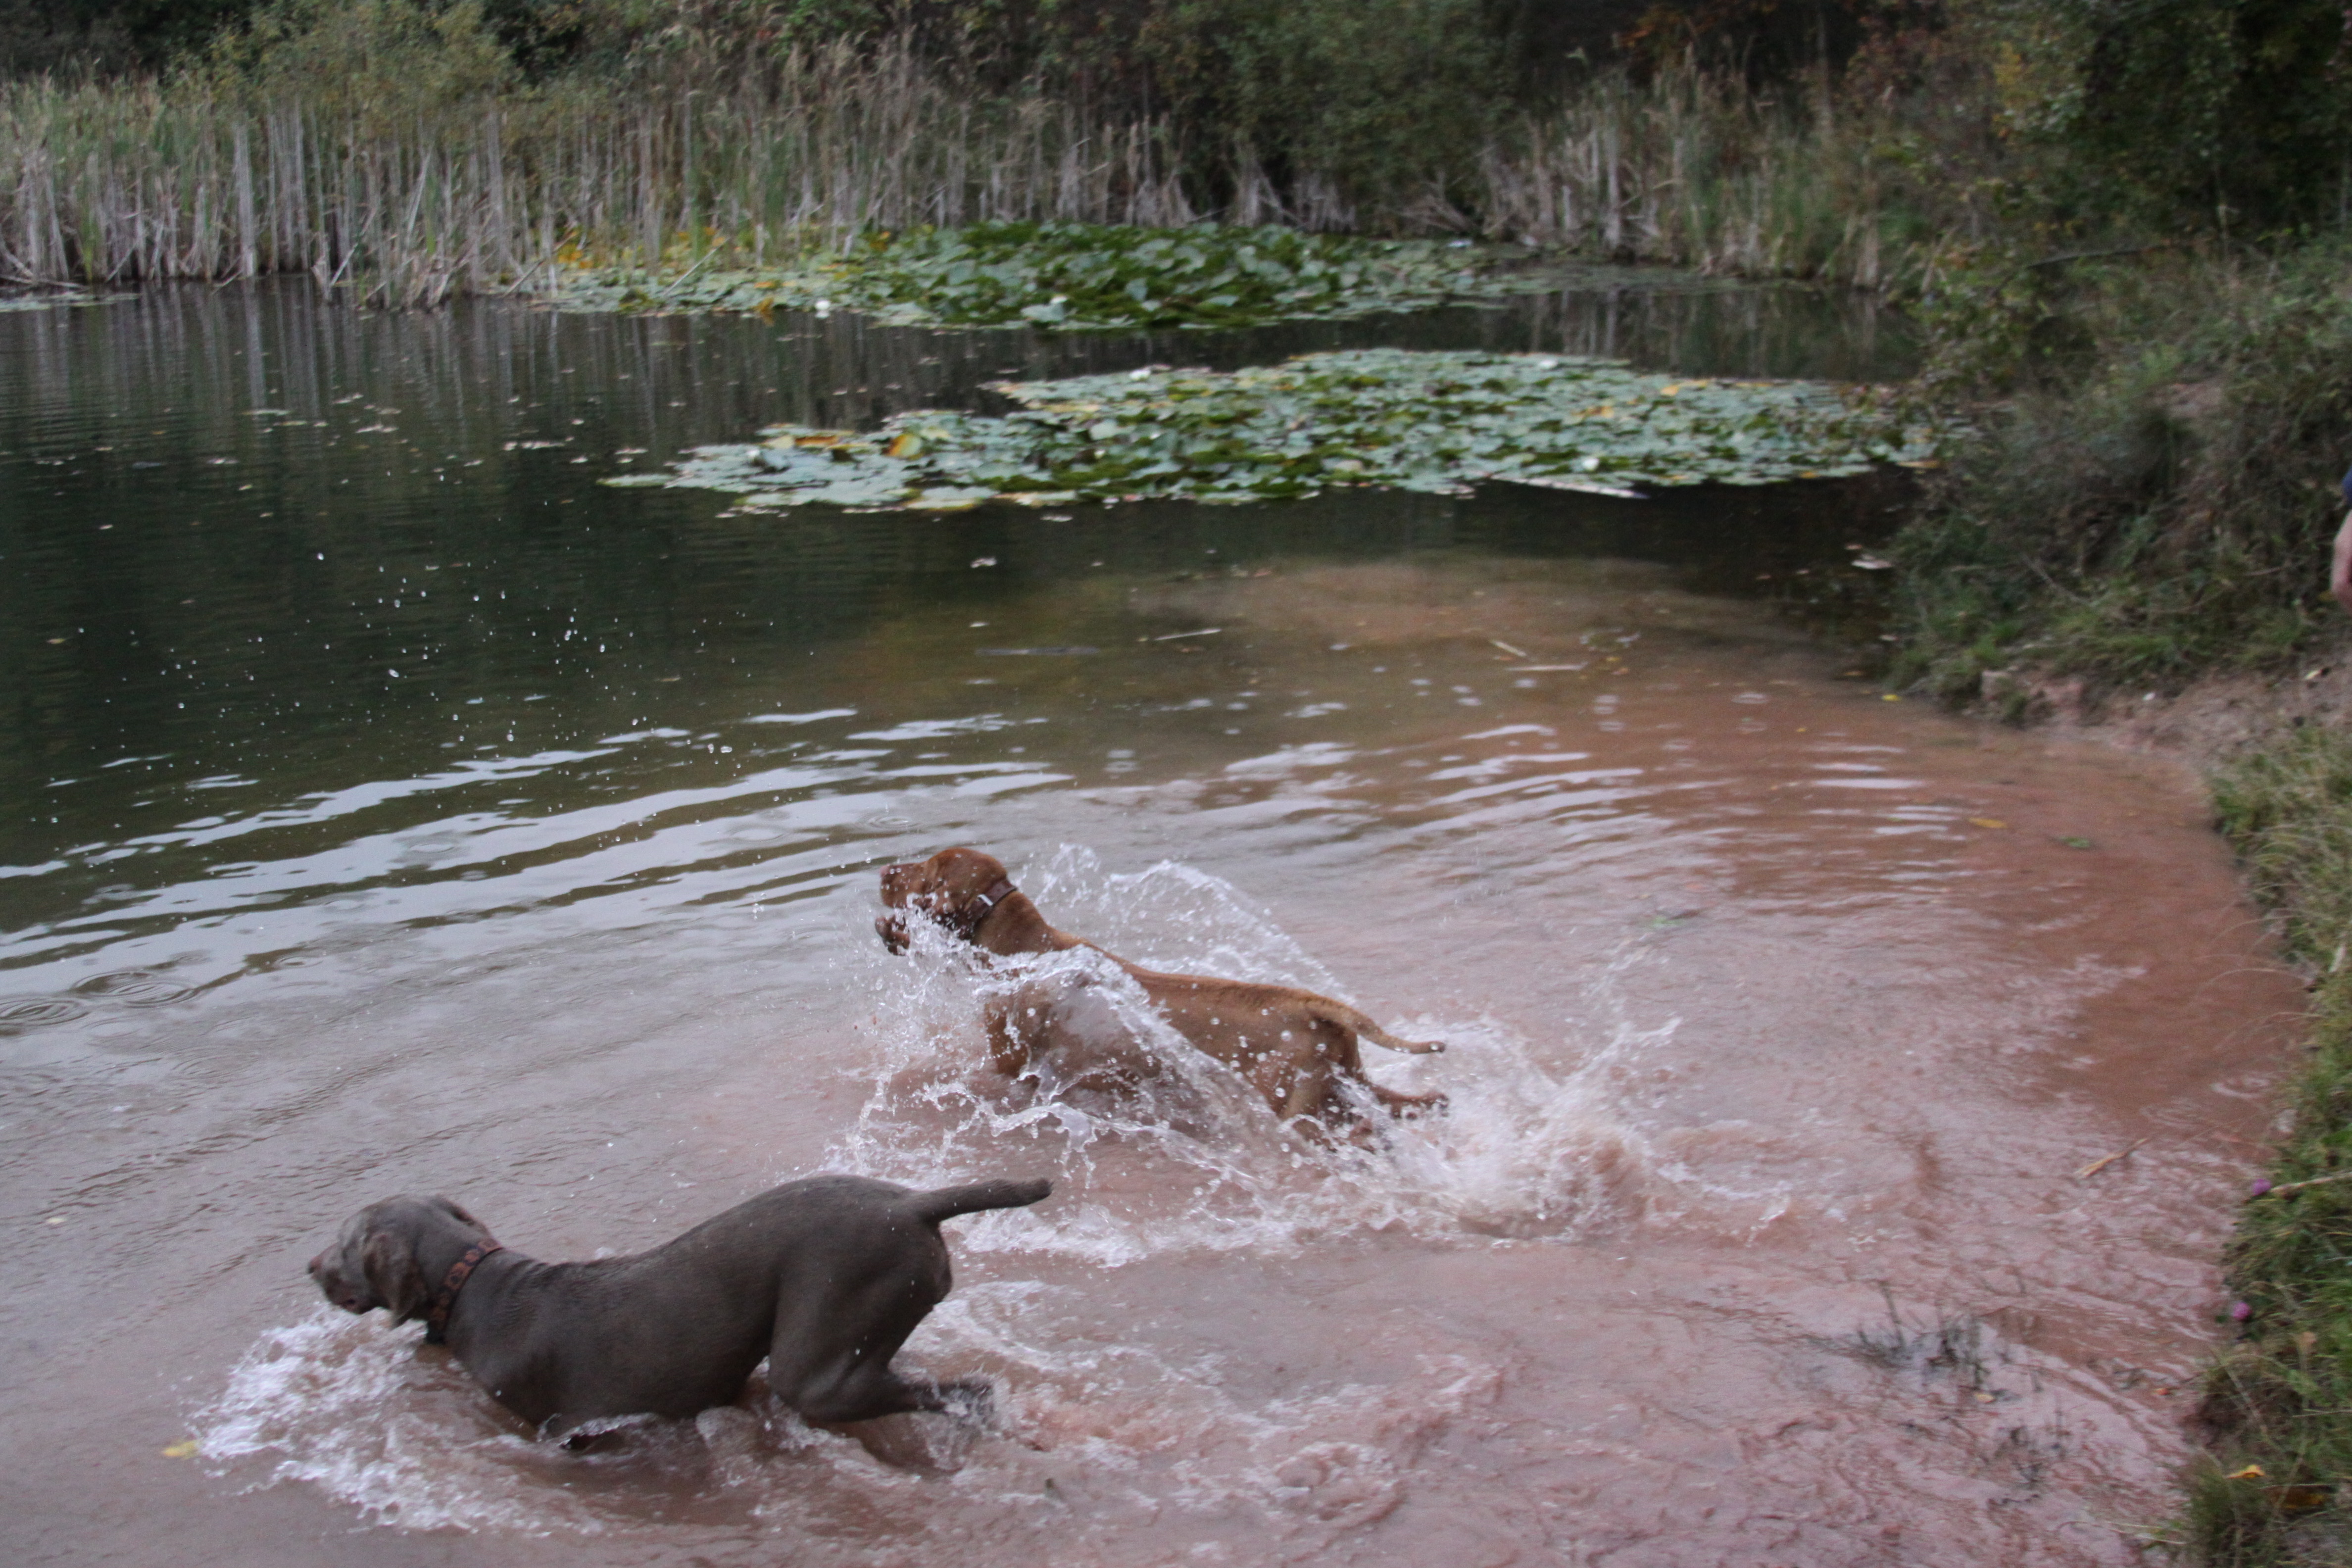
(973,916)
(436,1320)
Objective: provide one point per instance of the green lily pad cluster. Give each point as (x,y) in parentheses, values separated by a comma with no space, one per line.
(1437,422)
(1077,276)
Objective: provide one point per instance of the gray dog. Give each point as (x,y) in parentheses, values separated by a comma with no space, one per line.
(826,1277)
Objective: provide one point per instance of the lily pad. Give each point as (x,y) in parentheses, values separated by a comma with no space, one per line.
(1438,422)
(1079,276)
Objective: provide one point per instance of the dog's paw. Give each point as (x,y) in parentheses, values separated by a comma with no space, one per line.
(592,1436)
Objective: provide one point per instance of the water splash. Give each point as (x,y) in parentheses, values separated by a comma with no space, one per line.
(1186,1156)
(1188,1160)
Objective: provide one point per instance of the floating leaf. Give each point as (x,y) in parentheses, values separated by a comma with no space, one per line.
(1062,276)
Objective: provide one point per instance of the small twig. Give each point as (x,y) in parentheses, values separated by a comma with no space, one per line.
(708,257)
(1506,648)
(2103,1161)
(2094,254)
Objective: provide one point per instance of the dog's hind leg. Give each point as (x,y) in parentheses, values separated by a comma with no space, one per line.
(866,1392)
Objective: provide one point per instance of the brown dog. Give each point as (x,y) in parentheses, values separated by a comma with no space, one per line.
(1293,1046)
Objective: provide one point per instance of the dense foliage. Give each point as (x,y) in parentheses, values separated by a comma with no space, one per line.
(2154,498)
(2068,117)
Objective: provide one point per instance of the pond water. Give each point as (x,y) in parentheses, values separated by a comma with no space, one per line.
(389,808)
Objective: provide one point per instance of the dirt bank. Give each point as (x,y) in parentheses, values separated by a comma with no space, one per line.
(2215,719)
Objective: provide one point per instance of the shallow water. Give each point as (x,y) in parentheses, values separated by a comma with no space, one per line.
(391,808)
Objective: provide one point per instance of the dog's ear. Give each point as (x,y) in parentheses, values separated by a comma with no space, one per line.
(388,1263)
(458,1212)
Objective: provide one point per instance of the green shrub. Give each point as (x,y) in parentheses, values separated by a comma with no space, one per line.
(2156,499)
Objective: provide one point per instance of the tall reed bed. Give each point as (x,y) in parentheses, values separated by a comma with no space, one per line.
(426,188)
(192,179)
(1702,170)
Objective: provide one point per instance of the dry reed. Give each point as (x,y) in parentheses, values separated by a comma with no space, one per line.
(206,175)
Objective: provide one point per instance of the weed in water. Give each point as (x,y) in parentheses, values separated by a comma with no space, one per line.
(1952,1345)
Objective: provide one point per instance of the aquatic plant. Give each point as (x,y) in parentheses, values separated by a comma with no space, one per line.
(1438,422)
(1073,275)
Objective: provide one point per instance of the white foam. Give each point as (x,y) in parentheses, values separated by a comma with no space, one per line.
(353,1407)
(348,1405)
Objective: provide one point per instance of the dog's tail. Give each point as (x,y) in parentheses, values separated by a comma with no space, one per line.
(1347,1017)
(948,1202)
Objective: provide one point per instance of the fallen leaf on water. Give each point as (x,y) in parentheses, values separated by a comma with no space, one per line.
(182,1450)
(2251,1473)
(1986,822)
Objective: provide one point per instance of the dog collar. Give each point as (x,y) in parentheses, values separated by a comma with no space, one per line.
(972,917)
(436,1319)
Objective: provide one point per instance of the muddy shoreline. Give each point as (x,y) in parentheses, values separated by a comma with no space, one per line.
(2212,719)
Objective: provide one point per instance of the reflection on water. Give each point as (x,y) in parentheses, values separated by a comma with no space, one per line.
(391,807)
(289,584)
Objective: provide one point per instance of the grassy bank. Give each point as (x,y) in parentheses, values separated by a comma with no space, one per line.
(2156,482)
(2279,1403)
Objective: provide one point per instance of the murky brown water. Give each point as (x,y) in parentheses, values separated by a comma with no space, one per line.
(1783,1018)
